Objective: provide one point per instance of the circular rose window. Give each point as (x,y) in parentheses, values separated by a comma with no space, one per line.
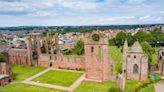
(95,37)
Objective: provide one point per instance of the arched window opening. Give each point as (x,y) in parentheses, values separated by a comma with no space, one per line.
(92,49)
(163,53)
(50,64)
(135,68)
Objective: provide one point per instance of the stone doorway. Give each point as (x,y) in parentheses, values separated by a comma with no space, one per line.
(50,64)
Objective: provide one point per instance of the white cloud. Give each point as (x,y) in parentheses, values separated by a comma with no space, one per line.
(78,5)
(40,14)
(117,19)
(144,17)
(136,1)
(14,6)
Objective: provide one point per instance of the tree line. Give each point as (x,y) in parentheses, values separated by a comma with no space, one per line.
(154,38)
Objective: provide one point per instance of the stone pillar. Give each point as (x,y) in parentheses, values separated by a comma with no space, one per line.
(125,50)
(38,44)
(29,51)
(121,81)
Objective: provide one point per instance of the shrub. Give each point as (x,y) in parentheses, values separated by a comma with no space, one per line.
(114,89)
(138,86)
(2,58)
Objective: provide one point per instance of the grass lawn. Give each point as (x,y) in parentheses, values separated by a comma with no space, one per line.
(56,77)
(148,89)
(95,87)
(116,55)
(19,87)
(102,87)
(23,72)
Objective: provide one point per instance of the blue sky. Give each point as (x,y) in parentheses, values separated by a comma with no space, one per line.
(80,12)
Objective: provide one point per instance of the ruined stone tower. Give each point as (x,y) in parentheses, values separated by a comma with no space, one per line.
(161,60)
(135,62)
(97,63)
(33,48)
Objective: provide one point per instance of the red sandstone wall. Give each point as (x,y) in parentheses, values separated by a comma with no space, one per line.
(61,61)
(18,59)
(18,56)
(71,62)
(44,60)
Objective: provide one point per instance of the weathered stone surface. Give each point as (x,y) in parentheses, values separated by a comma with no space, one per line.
(135,62)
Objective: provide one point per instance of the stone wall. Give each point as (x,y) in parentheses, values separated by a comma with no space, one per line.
(135,62)
(18,56)
(61,61)
(44,60)
(69,62)
(5,73)
(161,60)
(6,80)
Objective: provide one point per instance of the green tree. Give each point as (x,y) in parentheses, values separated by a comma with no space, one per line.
(142,36)
(158,36)
(79,48)
(111,42)
(149,50)
(2,58)
(121,37)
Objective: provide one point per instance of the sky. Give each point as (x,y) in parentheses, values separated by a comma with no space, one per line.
(80,12)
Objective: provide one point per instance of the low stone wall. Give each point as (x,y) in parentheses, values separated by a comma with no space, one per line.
(69,62)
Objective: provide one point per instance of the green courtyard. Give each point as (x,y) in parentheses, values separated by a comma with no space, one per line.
(57,77)
(23,72)
(62,78)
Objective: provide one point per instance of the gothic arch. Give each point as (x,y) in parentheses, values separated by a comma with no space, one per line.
(135,69)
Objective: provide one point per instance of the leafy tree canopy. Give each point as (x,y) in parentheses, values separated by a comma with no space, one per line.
(2,58)
(79,48)
(148,49)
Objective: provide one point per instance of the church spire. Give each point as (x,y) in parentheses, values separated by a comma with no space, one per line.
(125,46)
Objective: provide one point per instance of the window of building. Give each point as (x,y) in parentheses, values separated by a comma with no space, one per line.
(92,49)
(50,64)
(163,53)
(135,68)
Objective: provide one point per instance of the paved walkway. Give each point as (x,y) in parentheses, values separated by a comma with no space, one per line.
(38,74)
(159,87)
(71,88)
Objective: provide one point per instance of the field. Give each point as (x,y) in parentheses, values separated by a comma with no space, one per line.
(56,77)
(23,72)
